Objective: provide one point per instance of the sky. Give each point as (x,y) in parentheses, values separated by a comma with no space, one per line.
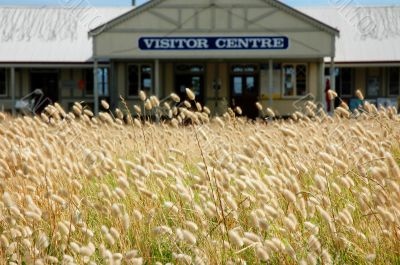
(128,2)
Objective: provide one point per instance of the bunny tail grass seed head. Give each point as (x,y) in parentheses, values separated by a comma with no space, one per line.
(235,238)
(137,109)
(238,110)
(332,95)
(359,94)
(190,94)
(270,113)
(175,98)
(148,105)
(142,95)
(202,188)
(259,106)
(105,105)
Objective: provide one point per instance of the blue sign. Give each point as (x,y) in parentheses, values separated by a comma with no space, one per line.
(214,43)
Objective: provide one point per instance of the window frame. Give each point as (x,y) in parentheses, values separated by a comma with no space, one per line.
(256,69)
(85,74)
(101,85)
(189,70)
(388,82)
(379,76)
(5,95)
(294,65)
(139,65)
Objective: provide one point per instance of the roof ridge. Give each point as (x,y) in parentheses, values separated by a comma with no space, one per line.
(63,7)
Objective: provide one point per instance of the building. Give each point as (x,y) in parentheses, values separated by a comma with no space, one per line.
(48,48)
(367,52)
(228,52)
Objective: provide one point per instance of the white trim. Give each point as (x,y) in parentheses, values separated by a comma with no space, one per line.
(200,56)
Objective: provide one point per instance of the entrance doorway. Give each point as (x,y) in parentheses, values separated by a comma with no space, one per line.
(190,76)
(245,88)
(47,83)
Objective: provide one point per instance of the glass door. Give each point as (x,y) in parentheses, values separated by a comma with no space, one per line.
(245,88)
(45,81)
(190,76)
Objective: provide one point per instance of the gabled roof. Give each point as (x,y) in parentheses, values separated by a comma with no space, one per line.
(33,34)
(274,3)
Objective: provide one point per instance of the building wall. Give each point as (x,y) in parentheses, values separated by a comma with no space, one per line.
(68,87)
(21,85)
(222,18)
(168,78)
(360,79)
(363,76)
(309,42)
(218,101)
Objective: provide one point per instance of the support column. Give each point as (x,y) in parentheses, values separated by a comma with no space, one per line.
(270,80)
(12,88)
(114,93)
(157,86)
(157,78)
(321,85)
(95,87)
(333,81)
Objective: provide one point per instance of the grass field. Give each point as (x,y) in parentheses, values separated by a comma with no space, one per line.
(313,189)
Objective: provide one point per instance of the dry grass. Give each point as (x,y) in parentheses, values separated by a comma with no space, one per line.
(310,190)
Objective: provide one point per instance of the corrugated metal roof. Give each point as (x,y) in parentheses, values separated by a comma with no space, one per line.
(58,35)
(367,33)
(50,34)
(276,3)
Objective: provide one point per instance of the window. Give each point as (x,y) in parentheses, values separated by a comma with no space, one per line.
(345,81)
(139,78)
(301,80)
(374,83)
(237,85)
(3,83)
(102,82)
(394,81)
(295,80)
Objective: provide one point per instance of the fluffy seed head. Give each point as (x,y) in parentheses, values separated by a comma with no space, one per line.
(190,94)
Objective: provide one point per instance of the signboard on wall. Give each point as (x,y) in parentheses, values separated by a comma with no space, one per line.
(214,43)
